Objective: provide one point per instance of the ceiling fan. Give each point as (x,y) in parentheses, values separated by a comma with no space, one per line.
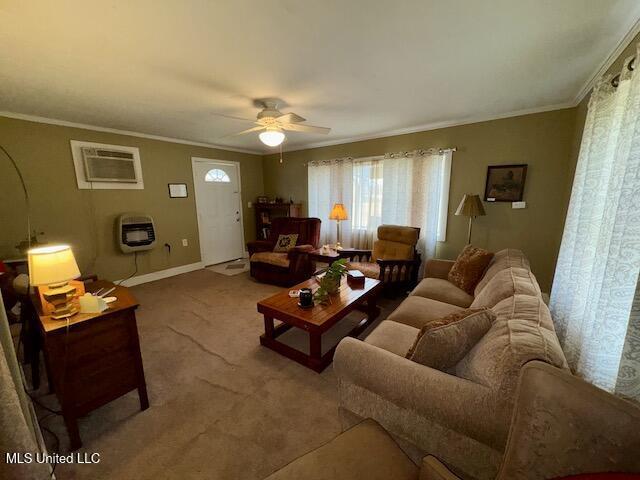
(272,123)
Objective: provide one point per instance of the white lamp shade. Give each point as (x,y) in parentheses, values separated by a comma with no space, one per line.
(272,138)
(50,265)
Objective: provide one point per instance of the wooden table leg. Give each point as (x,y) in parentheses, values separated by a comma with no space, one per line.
(372,308)
(71,422)
(142,384)
(315,352)
(268,327)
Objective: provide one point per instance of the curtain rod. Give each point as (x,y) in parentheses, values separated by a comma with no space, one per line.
(615,81)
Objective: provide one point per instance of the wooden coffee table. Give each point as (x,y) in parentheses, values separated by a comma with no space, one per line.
(316,320)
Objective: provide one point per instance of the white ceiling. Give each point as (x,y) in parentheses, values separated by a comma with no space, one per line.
(365,68)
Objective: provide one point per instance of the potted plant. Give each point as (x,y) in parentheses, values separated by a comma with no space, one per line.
(330,281)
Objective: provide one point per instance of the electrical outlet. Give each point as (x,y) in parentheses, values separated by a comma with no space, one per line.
(185,242)
(518,204)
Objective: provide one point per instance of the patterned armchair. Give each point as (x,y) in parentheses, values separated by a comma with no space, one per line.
(285,268)
(394,259)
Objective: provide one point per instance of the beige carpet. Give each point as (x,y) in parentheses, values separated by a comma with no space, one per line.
(222,406)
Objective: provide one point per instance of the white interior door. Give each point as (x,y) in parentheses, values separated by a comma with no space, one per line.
(218,203)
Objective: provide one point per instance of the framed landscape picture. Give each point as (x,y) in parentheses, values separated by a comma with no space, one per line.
(505,183)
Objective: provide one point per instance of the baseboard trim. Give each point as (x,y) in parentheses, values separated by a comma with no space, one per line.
(160,274)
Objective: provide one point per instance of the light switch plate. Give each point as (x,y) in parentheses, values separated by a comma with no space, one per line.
(185,242)
(249,204)
(518,204)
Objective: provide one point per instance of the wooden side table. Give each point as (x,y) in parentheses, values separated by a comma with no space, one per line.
(94,358)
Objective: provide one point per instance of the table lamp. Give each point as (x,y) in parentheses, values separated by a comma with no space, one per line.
(50,269)
(338,213)
(470,206)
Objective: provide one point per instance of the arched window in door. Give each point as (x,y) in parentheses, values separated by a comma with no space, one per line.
(217,175)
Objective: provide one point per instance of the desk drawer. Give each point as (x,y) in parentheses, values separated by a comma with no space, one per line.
(92,342)
(95,384)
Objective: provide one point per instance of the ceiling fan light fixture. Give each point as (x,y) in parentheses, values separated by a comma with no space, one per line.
(272,137)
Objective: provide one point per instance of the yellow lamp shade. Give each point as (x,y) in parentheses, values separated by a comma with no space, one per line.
(52,265)
(338,212)
(470,206)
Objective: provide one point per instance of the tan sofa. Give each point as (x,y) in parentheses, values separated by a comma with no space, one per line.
(460,416)
(560,426)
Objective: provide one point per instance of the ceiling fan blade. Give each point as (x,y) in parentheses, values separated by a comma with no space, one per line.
(249,130)
(290,118)
(296,127)
(224,115)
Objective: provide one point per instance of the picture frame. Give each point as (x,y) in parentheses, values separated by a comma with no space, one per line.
(505,183)
(178,190)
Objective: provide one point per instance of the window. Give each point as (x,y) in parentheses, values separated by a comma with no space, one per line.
(404,188)
(217,175)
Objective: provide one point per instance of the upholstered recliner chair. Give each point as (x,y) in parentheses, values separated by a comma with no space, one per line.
(393,260)
(290,267)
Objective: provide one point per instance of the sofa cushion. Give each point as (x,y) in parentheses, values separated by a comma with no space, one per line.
(368,269)
(364,451)
(506,283)
(443,291)
(393,337)
(273,258)
(469,267)
(507,258)
(521,332)
(418,311)
(441,344)
(529,307)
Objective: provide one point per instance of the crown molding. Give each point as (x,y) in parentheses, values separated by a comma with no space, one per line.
(613,56)
(430,126)
(65,123)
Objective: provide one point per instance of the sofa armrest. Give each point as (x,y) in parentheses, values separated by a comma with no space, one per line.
(259,246)
(437,268)
(453,402)
(433,469)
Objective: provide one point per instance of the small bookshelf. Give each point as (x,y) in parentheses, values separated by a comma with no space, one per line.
(265,212)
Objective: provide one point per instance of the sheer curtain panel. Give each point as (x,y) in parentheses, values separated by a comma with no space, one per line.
(330,181)
(597,271)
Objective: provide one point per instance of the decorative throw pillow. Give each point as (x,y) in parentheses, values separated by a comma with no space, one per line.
(286,242)
(442,343)
(468,268)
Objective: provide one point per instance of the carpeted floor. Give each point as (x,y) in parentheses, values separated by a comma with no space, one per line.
(222,406)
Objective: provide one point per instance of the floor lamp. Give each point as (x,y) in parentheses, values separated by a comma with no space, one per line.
(338,213)
(470,206)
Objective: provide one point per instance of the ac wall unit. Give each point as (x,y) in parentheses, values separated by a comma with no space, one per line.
(107,165)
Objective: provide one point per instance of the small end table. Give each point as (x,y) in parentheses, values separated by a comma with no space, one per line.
(93,358)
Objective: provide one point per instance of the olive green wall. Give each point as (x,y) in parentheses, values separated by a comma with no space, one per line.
(543,141)
(85,218)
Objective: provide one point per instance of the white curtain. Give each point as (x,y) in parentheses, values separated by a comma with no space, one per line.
(18,430)
(330,182)
(405,188)
(366,205)
(599,260)
(413,188)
